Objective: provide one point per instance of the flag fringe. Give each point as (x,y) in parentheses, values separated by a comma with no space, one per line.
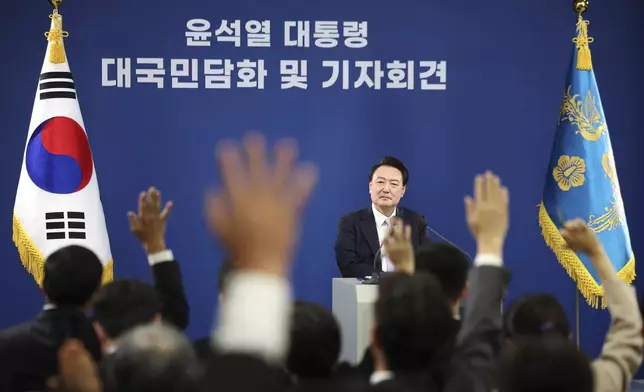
(34,261)
(593,293)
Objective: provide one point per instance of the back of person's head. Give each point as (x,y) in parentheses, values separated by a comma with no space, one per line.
(551,363)
(315,341)
(413,323)
(536,315)
(71,276)
(448,264)
(124,304)
(153,357)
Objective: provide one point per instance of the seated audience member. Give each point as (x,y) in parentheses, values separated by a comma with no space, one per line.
(413,327)
(153,357)
(315,342)
(450,266)
(29,352)
(552,363)
(542,315)
(121,306)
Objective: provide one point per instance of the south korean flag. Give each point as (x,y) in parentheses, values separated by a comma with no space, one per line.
(58,202)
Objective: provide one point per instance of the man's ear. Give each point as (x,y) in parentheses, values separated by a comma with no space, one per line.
(404,189)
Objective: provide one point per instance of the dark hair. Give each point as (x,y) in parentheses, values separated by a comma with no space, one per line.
(315,341)
(225,270)
(448,264)
(71,276)
(551,363)
(414,325)
(392,162)
(536,315)
(124,304)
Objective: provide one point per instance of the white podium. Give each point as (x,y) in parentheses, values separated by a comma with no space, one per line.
(353,307)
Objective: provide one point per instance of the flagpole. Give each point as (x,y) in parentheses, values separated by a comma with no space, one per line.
(579,6)
(577,322)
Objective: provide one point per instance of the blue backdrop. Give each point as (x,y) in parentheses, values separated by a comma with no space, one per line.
(505,69)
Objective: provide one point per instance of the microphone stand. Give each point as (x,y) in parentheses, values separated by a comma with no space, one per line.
(375,276)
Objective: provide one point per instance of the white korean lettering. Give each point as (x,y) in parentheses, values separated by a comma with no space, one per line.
(337,67)
(401,75)
(302,34)
(355,34)
(150,75)
(294,74)
(184,68)
(439,68)
(364,78)
(251,74)
(123,72)
(218,73)
(326,34)
(229,31)
(258,34)
(198,33)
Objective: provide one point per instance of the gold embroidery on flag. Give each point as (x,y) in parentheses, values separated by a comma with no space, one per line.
(584,114)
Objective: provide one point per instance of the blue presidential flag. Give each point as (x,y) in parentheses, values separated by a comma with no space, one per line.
(582,181)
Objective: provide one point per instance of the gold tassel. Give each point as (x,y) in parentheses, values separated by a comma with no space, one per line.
(584,60)
(55,36)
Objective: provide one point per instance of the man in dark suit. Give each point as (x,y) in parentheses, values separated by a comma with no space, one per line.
(361,232)
(29,352)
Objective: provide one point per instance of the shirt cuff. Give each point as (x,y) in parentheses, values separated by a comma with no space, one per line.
(488,259)
(160,257)
(255,316)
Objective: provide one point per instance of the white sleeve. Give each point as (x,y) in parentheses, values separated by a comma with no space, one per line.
(255,316)
(489,259)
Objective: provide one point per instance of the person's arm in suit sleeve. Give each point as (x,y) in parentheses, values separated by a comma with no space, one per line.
(169,284)
(621,354)
(479,339)
(346,255)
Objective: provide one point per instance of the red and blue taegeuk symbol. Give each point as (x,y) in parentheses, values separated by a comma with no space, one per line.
(58,158)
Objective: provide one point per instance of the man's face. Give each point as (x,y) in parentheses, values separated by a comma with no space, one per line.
(386,187)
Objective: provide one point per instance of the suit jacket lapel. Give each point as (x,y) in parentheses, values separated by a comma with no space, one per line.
(368,227)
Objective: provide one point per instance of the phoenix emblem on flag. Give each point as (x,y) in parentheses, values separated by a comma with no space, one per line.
(584,114)
(614,215)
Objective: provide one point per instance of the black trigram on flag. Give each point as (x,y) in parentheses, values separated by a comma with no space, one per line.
(56,85)
(61,226)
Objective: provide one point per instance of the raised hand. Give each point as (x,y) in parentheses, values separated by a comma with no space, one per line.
(149,225)
(581,238)
(487,213)
(398,246)
(257,211)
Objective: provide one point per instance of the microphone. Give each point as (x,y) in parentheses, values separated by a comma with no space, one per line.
(442,237)
(375,275)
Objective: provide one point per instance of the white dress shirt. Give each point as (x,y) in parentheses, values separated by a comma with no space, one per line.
(382,224)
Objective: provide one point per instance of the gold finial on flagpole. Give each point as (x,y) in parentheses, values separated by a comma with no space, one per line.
(584,60)
(580,6)
(56,34)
